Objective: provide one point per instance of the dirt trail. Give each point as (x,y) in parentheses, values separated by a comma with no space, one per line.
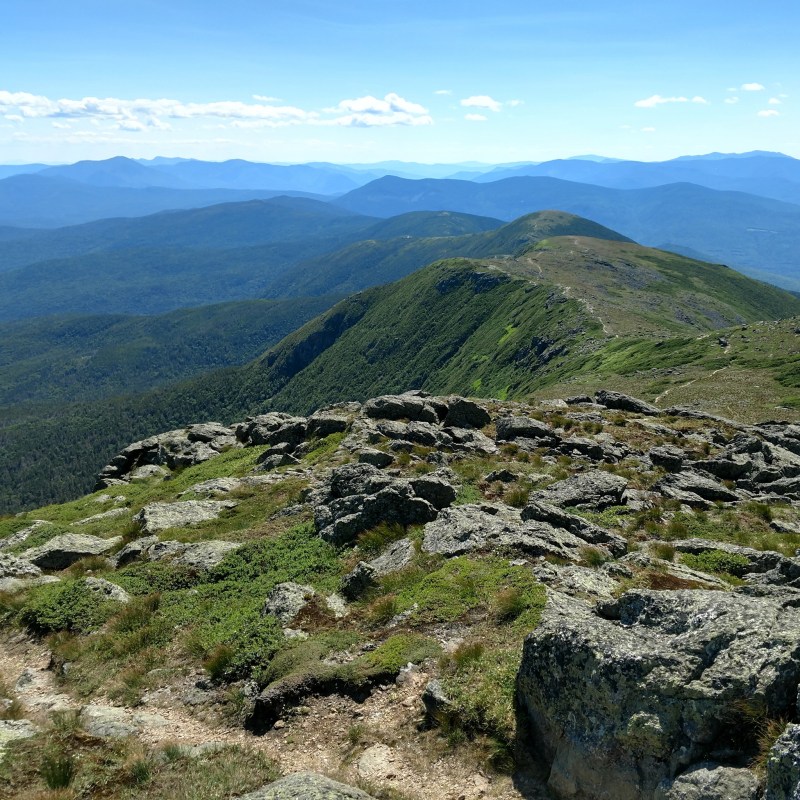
(377,741)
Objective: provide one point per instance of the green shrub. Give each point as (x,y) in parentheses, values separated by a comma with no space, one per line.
(69,605)
(717,561)
(57,769)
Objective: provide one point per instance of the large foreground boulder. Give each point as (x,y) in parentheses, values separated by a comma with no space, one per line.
(625,700)
(306,786)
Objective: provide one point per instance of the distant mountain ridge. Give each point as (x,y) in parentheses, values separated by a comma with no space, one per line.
(755,234)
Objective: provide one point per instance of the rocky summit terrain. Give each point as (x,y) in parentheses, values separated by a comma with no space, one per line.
(414,597)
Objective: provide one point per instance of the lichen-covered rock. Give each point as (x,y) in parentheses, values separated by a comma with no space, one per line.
(402,406)
(161,516)
(365,574)
(463,413)
(624,402)
(694,489)
(593,489)
(511,428)
(306,786)
(710,781)
(375,458)
(13,567)
(64,550)
(783,766)
(107,590)
(358,497)
(286,600)
(538,511)
(633,696)
(474,528)
(667,457)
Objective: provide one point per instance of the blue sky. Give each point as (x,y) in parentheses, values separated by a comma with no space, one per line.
(436,81)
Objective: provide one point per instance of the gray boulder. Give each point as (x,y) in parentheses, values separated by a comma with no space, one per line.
(161,516)
(626,699)
(624,402)
(358,497)
(437,491)
(376,458)
(204,555)
(306,786)
(471,528)
(667,457)
(594,490)
(20,536)
(366,573)
(106,722)
(401,406)
(463,413)
(710,781)
(286,601)
(107,590)
(64,550)
(538,511)
(13,567)
(273,428)
(694,489)
(133,550)
(511,428)
(783,766)
(325,423)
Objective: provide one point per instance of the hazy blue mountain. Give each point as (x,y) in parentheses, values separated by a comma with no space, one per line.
(767,174)
(38,201)
(238,174)
(7,170)
(118,171)
(758,235)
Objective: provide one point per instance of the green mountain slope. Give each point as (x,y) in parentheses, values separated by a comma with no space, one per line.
(628,316)
(755,234)
(373,261)
(65,359)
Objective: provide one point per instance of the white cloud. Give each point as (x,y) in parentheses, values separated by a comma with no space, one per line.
(443,91)
(263,98)
(369,111)
(515,103)
(63,126)
(142,113)
(731,100)
(648,130)
(657,100)
(476,117)
(752,87)
(774,101)
(481,101)
(770,112)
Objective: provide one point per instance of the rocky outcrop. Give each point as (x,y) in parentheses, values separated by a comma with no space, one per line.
(626,700)
(64,550)
(481,528)
(624,402)
(158,517)
(593,489)
(178,448)
(306,786)
(367,573)
(358,497)
(783,766)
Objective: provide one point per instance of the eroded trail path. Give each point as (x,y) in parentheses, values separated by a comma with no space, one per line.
(376,741)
